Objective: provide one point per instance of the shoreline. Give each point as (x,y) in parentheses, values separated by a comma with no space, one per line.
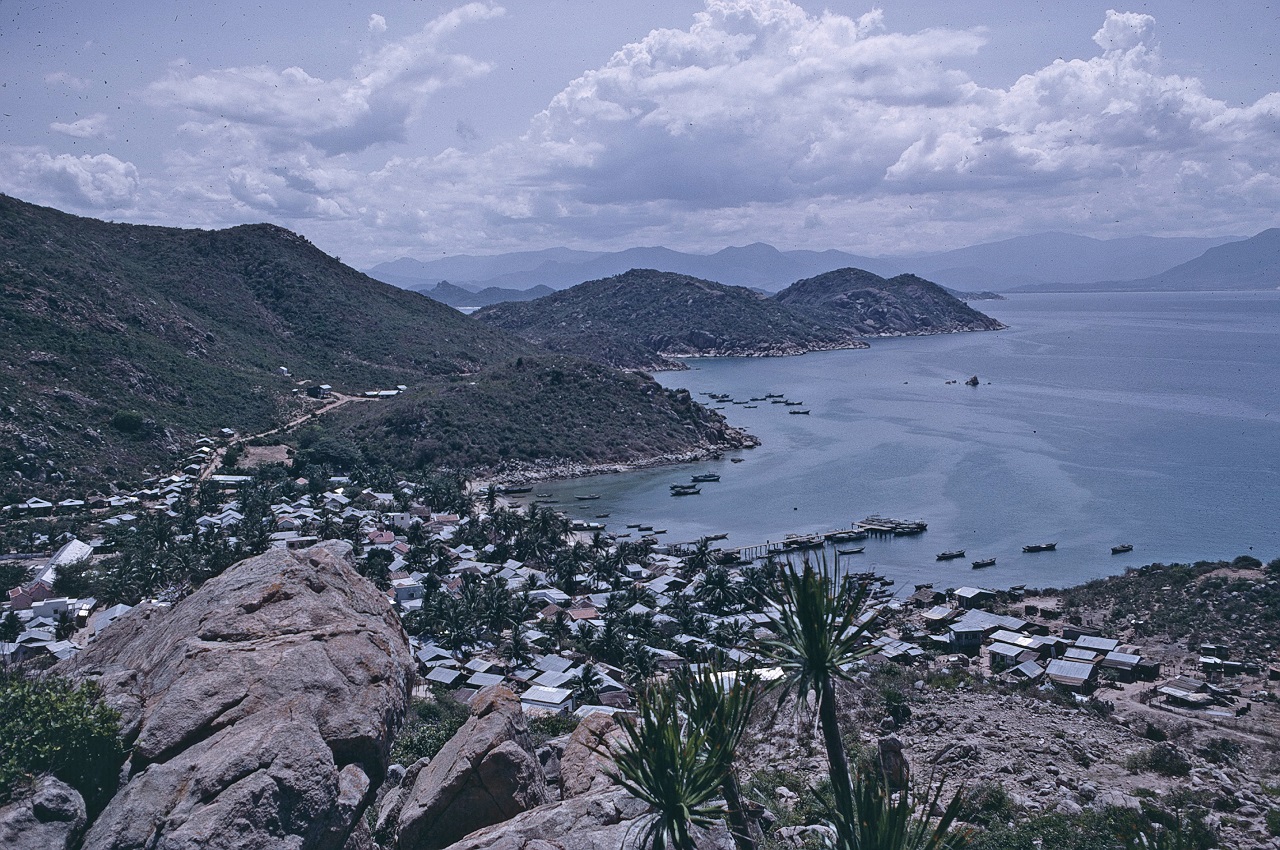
(561,470)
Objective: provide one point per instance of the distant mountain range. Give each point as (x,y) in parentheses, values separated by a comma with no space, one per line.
(119,343)
(1045,261)
(1251,264)
(647,319)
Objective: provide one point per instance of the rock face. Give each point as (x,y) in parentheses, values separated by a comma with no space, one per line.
(260,709)
(601,819)
(485,775)
(587,755)
(51,818)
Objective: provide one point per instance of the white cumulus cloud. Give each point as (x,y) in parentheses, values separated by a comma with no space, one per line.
(374,104)
(377,23)
(91,127)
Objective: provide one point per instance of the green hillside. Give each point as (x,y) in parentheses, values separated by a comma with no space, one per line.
(870,305)
(644,318)
(119,343)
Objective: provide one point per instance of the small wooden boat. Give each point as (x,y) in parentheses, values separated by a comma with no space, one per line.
(798,412)
(602,516)
(693,491)
(736,459)
(633,525)
(1040,547)
(984,562)
(1122,548)
(856,551)
(515,491)
(950,556)
(590,497)
(706,476)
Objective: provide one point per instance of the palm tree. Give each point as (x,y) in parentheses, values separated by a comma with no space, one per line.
(586,685)
(517,649)
(817,634)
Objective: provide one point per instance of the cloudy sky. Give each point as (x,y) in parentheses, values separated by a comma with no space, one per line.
(423,128)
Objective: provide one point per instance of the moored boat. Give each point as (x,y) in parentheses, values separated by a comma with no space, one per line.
(857,550)
(952,555)
(706,476)
(681,491)
(1122,548)
(590,497)
(984,562)
(1040,547)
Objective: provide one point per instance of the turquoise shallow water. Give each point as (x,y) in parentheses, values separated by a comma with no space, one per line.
(1143,418)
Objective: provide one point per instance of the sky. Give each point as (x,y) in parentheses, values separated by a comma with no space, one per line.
(425,129)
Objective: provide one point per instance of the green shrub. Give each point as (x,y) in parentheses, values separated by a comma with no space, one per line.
(544,727)
(1164,758)
(430,725)
(128,421)
(50,725)
(987,804)
(1222,750)
(1273,821)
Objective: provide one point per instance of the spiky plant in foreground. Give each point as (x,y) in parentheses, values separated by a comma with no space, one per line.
(719,705)
(818,632)
(883,820)
(674,767)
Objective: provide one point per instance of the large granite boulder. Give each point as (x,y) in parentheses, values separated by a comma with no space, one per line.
(51,817)
(588,755)
(602,819)
(260,709)
(486,774)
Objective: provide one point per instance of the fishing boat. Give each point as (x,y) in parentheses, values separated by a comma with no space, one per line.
(693,491)
(984,562)
(773,395)
(515,491)
(798,412)
(736,459)
(602,516)
(793,403)
(644,527)
(1040,547)
(590,497)
(855,551)
(950,556)
(633,525)
(751,407)
(706,476)
(1122,548)
(721,536)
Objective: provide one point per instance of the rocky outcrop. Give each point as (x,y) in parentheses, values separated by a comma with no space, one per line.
(587,756)
(51,818)
(612,819)
(485,775)
(260,709)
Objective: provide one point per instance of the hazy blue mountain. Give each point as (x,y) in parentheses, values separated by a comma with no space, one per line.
(1058,259)
(464,299)
(415,274)
(1253,263)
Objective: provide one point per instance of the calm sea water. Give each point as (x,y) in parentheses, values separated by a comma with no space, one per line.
(1142,418)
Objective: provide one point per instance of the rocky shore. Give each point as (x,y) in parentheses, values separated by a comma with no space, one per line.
(517,474)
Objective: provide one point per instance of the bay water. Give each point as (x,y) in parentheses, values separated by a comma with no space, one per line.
(1100,418)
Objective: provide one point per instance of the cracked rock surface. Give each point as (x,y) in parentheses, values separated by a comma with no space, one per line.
(485,775)
(260,709)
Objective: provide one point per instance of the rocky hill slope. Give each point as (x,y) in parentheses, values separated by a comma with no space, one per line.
(870,305)
(643,319)
(119,342)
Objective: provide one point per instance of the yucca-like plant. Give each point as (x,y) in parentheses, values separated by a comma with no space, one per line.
(817,634)
(883,820)
(673,766)
(721,710)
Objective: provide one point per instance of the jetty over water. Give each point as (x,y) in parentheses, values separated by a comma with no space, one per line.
(873,526)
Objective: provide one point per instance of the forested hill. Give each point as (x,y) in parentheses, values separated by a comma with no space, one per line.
(870,305)
(186,330)
(644,318)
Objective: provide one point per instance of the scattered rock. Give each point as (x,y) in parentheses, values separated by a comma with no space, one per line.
(52,817)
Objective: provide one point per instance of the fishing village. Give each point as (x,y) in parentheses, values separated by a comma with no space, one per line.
(1070,702)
